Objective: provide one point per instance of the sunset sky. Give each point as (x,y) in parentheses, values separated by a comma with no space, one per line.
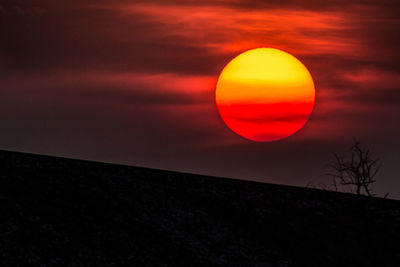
(133,82)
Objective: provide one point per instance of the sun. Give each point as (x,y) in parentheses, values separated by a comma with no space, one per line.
(265,94)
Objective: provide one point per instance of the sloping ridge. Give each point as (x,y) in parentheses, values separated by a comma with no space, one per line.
(65,212)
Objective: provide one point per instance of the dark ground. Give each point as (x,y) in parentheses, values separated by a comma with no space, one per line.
(63,212)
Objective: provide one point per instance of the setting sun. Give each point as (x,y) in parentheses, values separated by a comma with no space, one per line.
(265,94)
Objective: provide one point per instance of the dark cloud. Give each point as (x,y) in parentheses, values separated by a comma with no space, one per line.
(91,38)
(268,118)
(133,94)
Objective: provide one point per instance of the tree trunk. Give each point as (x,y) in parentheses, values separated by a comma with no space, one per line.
(366,190)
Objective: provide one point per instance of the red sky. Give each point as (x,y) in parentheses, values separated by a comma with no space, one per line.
(133,82)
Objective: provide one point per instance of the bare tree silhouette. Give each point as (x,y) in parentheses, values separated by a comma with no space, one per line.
(357,171)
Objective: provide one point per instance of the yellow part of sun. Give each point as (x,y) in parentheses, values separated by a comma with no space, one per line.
(264,75)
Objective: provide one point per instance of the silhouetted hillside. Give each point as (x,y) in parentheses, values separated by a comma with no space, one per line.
(63,212)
